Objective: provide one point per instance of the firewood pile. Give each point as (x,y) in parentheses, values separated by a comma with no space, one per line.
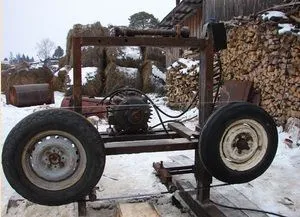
(259,52)
(182,80)
(264,50)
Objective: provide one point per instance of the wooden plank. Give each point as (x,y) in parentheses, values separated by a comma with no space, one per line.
(183,130)
(235,198)
(130,147)
(136,210)
(144,41)
(226,195)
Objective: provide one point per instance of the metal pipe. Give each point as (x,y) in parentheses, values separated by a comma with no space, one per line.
(184,32)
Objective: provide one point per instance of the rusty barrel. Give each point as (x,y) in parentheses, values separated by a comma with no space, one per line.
(30,95)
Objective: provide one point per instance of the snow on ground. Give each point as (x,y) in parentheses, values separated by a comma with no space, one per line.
(86,73)
(130,53)
(276,190)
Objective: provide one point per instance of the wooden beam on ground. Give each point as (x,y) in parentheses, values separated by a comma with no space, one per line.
(136,210)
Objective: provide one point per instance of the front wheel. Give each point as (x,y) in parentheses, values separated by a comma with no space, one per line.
(53,157)
(238,143)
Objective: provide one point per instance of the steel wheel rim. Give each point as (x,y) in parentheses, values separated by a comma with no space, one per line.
(54,160)
(243,145)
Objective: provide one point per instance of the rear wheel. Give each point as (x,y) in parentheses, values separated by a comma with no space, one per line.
(238,143)
(53,157)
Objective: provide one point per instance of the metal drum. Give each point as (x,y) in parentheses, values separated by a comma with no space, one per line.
(30,95)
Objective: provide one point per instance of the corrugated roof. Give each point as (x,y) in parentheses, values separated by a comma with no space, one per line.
(180,12)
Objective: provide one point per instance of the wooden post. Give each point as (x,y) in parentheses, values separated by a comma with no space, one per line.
(77,94)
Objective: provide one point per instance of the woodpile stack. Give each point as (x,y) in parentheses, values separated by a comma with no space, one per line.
(257,53)
(182,81)
(264,50)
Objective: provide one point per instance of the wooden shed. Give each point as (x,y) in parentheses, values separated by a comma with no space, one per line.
(188,13)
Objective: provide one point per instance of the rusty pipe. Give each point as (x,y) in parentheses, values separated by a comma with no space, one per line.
(184,32)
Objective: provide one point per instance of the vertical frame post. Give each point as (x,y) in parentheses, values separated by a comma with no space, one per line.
(77,93)
(203,178)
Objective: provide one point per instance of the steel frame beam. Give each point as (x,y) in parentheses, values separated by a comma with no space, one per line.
(206,86)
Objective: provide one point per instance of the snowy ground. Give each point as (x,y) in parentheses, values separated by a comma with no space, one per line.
(277,190)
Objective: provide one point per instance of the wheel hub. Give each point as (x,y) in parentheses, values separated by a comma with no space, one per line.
(54,158)
(243,144)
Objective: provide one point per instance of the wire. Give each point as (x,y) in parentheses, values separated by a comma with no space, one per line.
(174,121)
(247,209)
(156,108)
(150,100)
(169,121)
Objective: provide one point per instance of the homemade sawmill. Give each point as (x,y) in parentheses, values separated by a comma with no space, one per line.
(56,156)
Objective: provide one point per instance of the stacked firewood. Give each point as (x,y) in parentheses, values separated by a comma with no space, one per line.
(182,81)
(256,52)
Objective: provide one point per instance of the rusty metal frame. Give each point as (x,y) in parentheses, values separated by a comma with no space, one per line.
(78,42)
(140,143)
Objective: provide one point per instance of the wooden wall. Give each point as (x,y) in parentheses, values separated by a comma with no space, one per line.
(194,23)
(222,10)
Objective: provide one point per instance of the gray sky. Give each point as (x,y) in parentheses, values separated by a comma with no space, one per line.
(26,22)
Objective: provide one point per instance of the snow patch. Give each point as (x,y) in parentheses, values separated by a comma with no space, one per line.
(86,73)
(130,53)
(271,14)
(286,27)
(157,73)
(186,66)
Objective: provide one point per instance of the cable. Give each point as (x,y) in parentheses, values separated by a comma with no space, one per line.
(247,209)
(139,196)
(169,121)
(150,100)
(175,121)
(156,108)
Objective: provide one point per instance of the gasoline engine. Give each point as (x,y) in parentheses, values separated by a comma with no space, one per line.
(128,114)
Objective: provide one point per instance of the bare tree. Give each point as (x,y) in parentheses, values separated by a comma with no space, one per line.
(45,48)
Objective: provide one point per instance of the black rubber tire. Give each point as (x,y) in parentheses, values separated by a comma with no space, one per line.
(211,136)
(42,121)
